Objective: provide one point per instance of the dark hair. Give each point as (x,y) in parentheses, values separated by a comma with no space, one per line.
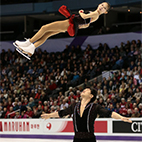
(94,93)
(109,6)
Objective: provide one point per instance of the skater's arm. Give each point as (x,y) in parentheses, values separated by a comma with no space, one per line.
(84,26)
(93,15)
(50,115)
(117,116)
(108,113)
(60,113)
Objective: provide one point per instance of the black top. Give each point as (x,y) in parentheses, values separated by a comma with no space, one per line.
(80,20)
(84,126)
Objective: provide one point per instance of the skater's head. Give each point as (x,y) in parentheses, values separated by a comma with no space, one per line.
(89,93)
(103,8)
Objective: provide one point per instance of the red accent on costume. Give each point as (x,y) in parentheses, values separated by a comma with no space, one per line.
(71,30)
(64,11)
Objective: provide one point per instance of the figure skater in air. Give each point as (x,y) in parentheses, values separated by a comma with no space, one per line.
(84,114)
(71,25)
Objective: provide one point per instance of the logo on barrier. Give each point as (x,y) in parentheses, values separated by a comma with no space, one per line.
(48,126)
(136,127)
(16,126)
(122,127)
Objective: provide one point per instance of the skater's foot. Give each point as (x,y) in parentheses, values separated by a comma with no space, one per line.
(26,51)
(23,53)
(22,43)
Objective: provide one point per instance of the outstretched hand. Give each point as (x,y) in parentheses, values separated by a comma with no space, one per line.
(45,116)
(125,119)
(81,11)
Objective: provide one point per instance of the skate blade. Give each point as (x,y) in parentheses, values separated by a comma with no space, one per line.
(24,54)
(15,44)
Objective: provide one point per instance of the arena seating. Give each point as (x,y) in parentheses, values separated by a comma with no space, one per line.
(30,88)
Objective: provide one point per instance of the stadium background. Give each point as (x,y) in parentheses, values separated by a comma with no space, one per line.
(53,80)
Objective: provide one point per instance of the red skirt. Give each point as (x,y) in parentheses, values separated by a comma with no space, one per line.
(72,30)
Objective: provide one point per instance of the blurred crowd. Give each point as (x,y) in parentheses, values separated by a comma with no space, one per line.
(30,88)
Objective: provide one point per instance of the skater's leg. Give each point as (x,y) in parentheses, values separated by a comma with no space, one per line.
(29,51)
(52,27)
(44,38)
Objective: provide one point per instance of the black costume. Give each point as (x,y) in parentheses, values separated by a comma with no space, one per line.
(84,126)
(74,20)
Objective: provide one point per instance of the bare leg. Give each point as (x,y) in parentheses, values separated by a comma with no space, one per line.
(61,26)
(44,37)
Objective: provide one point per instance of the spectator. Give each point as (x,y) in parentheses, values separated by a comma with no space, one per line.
(1,112)
(23,115)
(41,77)
(128,71)
(99,94)
(71,96)
(111,108)
(52,86)
(11,113)
(86,83)
(123,111)
(64,104)
(55,105)
(32,94)
(46,109)
(29,112)
(30,71)
(15,106)
(9,104)
(38,94)
(62,86)
(70,90)
(129,113)
(136,112)
(117,109)
(123,103)
(129,103)
(17,116)
(75,79)
(52,109)
(78,93)
(118,64)
(58,108)
(39,110)
(64,72)
(138,101)
(35,114)
(101,102)
(132,65)
(140,109)
(31,103)
(43,97)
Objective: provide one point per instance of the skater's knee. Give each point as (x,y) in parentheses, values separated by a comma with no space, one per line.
(43,28)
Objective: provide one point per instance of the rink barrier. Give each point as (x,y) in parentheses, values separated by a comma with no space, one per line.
(51,44)
(104,129)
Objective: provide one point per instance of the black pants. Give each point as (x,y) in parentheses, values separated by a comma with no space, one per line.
(85,140)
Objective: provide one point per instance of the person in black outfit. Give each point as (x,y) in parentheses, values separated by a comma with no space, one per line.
(84,115)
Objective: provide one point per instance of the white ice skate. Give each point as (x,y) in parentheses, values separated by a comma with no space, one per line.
(18,43)
(26,51)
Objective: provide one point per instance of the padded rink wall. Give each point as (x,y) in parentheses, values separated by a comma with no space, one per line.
(105,129)
(54,45)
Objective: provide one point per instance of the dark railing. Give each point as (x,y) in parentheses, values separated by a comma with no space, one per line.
(23,1)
